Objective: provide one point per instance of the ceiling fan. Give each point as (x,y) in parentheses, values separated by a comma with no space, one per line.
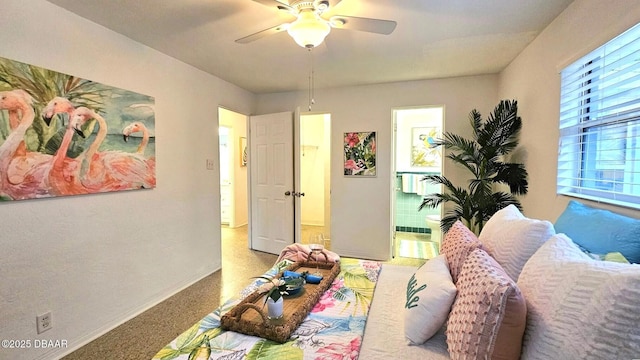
(310,28)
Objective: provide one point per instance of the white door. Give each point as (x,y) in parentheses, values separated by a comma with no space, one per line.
(272,182)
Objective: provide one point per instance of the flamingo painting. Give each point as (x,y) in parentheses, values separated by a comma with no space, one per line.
(41,159)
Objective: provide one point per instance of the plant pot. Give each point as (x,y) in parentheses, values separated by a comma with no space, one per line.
(275,308)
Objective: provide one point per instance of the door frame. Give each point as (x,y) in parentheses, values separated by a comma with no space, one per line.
(297,182)
(297,176)
(394,189)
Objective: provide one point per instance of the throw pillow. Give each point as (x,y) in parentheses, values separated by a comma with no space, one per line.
(456,245)
(579,308)
(511,238)
(600,231)
(488,317)
(430,293)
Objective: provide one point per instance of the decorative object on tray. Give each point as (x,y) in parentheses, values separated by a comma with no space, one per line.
(274,290)
(275,308)
(311,279)
(316,250)
(300,252)
(241,320)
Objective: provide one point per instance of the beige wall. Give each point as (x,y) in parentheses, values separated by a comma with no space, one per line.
(534,80)
(360,207)
(96,260)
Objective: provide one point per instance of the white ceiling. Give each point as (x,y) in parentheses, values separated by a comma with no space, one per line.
(433,38)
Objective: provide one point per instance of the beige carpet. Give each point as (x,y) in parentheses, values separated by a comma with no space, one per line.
(143,336)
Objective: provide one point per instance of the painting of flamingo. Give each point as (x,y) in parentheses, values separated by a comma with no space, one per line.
(62,135)
(21,172)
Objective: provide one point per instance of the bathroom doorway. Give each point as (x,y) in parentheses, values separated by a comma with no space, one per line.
(416,234)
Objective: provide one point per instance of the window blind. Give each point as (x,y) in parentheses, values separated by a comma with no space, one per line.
(599,148)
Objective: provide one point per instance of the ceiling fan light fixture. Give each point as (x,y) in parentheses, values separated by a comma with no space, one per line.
(309,30)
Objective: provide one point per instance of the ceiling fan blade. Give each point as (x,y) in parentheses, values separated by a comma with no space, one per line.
(377,26)
(263,33)
(278,4)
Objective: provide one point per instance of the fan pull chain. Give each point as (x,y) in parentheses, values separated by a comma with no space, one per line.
(311,84)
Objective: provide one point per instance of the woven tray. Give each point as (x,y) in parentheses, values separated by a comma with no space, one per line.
(255,321)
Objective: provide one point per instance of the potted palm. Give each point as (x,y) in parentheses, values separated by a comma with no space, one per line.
(485,156)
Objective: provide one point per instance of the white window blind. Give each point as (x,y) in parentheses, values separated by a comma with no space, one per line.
(599,149)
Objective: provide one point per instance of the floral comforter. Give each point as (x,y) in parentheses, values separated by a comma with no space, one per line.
(332,330)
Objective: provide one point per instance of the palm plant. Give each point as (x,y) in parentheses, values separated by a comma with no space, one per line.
(485,157)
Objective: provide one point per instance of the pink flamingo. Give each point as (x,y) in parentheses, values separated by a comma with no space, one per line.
(110,170)
(134,128)
(140,127)
(20,168)
(57,105)
(21,172)
(63,178)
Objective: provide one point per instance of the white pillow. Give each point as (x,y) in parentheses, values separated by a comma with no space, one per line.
(511,238)
(579,308)
(430,294)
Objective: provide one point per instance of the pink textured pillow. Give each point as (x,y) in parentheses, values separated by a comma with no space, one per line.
(456,245)
(488,317)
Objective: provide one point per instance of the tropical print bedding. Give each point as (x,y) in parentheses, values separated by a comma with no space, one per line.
(332,330)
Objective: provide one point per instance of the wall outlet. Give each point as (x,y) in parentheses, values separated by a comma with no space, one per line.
(210,164)
(43,322)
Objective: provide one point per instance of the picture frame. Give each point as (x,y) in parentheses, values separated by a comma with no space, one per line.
(359,154)
(423,154)
(244,152)
(110,135)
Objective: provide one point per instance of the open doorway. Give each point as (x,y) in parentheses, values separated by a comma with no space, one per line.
(233,168)
(416,234)
(315,177)
(234,213)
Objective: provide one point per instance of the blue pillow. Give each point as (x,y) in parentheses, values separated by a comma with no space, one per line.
(600,231)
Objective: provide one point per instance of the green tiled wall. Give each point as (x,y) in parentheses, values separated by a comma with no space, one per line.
(408,218)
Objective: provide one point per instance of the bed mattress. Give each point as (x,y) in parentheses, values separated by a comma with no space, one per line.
(384,331)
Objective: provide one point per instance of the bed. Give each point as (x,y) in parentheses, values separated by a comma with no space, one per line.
(345,323)
(520,291)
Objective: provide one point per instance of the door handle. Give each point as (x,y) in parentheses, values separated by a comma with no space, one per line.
(298,194)
(287,193)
